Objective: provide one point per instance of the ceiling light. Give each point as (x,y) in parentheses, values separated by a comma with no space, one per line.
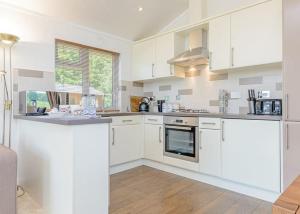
(140,9)
(8,39)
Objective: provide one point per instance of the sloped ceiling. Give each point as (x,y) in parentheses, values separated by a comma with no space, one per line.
(118,17)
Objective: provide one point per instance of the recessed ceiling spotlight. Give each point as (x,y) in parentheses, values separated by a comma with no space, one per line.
(140,9)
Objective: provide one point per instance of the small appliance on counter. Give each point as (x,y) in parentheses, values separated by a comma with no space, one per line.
(144,105)
(262,106)
(268,107)
(160,105)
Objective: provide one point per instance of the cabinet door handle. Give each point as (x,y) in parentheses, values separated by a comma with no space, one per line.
(126,121)
(113,136)
(153,120)
(210,60)
(287,106)
(206,123)
(232,57)
(200,139)
(223,137)
(153,70)
(171,70)
(159,137)
(287,137)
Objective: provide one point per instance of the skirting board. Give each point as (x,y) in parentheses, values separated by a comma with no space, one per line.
(215,181)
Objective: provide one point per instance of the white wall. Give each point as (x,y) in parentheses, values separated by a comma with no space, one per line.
(204,91)
(216,7)
(36,48)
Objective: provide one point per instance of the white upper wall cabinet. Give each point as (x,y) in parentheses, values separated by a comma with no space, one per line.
(219,43)
(150,58)
(256,35)
(164,51)
(143,60)
(249,37)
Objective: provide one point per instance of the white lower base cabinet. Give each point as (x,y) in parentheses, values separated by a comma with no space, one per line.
(251,152)
(126,143)
(210,152)
(153,148)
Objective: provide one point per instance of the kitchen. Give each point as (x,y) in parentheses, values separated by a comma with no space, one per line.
(206,97)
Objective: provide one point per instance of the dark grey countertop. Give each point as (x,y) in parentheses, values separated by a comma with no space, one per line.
(72,120)
(211,115)
(105,117)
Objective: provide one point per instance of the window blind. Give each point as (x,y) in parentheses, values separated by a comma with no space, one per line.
(87,70)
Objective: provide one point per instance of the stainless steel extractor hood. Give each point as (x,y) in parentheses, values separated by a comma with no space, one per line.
(198,54)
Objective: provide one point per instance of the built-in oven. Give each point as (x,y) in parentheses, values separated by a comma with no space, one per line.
(181,138)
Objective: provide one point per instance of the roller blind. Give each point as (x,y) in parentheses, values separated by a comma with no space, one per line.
(87,70)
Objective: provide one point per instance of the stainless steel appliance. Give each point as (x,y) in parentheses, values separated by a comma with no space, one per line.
(182,138)
(268,106)
(144,105)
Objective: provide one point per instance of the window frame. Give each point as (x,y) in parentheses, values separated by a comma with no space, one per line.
(86,76)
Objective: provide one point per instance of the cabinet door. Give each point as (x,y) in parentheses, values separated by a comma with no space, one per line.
(210,152)
(256,35)
(291,151)
(219,43)
(126,143)
(251,152)
(144,60)
(164,52)
(153,149)
(291,59)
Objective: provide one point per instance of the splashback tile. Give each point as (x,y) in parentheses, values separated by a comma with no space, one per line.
(251,80)
(214,103)
(165,87)
(278,86)
(30,73)
(216,77)
(185,92)
(148,94)
(138,84)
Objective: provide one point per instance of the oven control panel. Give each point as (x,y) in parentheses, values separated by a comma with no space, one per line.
(186,121)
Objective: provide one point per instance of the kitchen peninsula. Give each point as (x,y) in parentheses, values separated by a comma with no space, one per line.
(64,162)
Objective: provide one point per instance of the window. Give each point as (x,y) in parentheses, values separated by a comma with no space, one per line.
(87,70)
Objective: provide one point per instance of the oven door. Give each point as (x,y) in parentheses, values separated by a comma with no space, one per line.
(181,142)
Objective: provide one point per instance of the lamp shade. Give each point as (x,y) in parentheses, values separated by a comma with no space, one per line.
(8,40)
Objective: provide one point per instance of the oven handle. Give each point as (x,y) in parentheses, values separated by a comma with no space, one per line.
(178,127)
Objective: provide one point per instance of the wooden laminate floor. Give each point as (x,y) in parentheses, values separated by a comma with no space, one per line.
(144,190)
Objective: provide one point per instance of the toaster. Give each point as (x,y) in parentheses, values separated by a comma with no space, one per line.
(268,106)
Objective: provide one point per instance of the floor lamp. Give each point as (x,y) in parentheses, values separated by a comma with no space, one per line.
(7,41)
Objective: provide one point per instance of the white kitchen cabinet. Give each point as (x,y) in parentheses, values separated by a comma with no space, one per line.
(143,60)
(126,143)
(251,152)
(256,35)
(210,151)
(150,58)
(291,157)
(164,51)
(153,148)
(219,43)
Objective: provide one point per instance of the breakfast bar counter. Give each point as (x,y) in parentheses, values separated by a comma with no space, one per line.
(64,162)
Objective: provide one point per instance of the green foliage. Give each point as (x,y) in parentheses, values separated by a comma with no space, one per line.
(101,75)
(68,70)
(70,76)
(40,97)
(68,53)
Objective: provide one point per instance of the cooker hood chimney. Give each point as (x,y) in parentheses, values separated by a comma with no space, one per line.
(197,54)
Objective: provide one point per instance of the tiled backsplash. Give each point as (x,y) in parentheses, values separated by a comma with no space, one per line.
(202,90)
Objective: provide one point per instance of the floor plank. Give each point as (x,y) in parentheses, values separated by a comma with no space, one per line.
(144,190)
